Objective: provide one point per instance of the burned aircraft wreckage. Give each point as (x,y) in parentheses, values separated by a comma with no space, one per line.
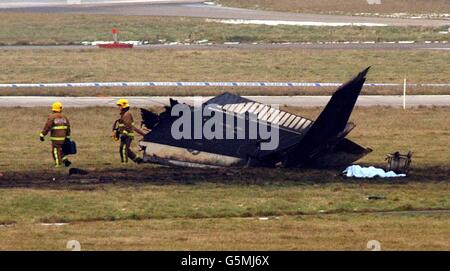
(300,142)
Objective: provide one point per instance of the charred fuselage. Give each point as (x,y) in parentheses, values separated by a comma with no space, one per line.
(229,130)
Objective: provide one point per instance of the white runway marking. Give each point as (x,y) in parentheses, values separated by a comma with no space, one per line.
(292,23)
(300,101)
(193,8)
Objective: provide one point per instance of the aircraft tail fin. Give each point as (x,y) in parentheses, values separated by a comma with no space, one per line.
(330,123)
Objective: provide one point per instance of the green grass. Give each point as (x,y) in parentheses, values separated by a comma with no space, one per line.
(46,66)
(349,7)
(45,29)
(337,232)
(221,216)
(173,209)
(157,208)
(422,130)
(116,202)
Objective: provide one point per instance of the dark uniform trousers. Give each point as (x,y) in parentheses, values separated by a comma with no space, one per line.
(125,148)
(57,152)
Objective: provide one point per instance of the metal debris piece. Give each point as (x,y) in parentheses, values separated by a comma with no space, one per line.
(399,163)
(77,171)
(374,197)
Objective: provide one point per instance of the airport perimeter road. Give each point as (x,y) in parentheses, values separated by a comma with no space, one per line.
(288,46)
(300,101)
(198,9)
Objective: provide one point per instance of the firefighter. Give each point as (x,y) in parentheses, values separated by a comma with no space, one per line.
(59,127)
(126,132)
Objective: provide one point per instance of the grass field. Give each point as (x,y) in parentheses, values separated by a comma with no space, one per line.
(152,207)
(215,200)
(423,130)
(345,6)
(45,29)
(336,232)
(45,66)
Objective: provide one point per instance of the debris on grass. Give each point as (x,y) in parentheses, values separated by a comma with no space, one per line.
(369,172)
(399,163)
(54,224)
(77,171)
(7,224)
(100,42)
(375,197)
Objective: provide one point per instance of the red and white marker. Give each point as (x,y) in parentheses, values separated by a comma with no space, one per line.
(116,44)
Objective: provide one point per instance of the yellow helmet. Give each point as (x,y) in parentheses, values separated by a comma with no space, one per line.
(57,107)
(123,103)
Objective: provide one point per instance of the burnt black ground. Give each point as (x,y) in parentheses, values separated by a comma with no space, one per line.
(160,175)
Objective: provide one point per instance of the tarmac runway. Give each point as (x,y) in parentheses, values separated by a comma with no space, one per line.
(300,101)
(299,46)
(195,8)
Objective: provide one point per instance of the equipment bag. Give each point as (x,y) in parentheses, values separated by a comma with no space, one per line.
(115,129)
(69,147)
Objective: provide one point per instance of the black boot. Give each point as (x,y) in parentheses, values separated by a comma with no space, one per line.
(138,160)
(67,163)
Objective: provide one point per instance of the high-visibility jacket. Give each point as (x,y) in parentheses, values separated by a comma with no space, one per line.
(126,123)
(59,127)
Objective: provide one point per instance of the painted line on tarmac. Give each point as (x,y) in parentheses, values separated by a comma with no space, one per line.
(299,101)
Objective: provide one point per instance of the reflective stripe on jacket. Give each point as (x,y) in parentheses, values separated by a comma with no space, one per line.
(59,127)
(126,123)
